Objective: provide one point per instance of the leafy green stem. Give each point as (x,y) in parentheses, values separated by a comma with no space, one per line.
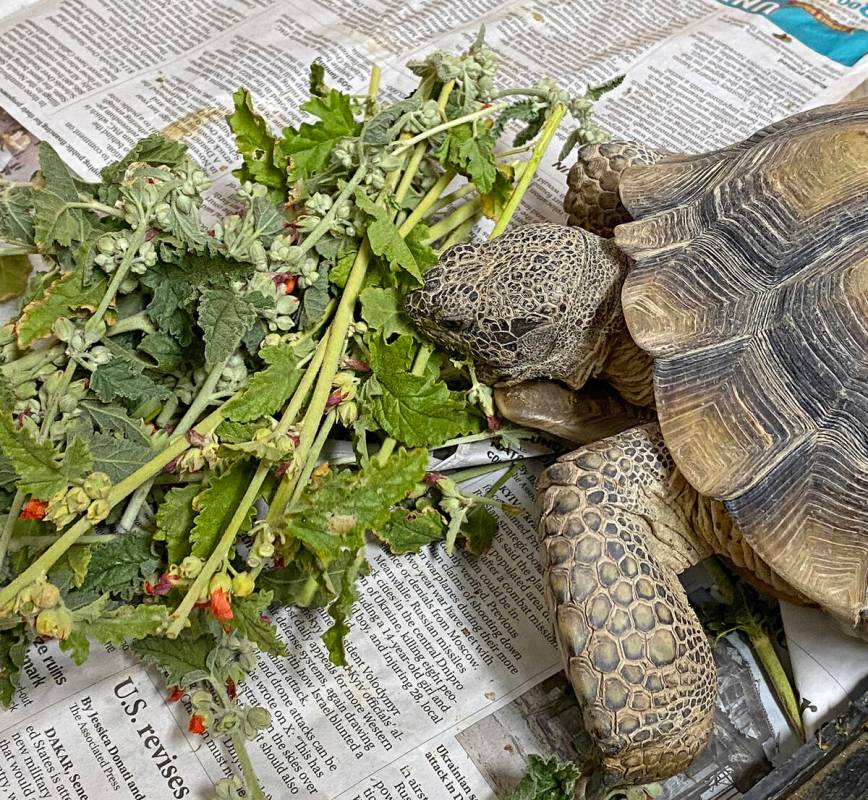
(136,240)
(445,126)
(453,220)
(461,232)
(313,457)
(9,525)
(135,322)
(16,250)
(548,132)
(251,782)
(93,205)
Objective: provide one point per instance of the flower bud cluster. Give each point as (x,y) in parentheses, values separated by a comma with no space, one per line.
(91,499)
(281,315)
(262,547)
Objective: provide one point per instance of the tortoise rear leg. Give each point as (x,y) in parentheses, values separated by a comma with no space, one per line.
(615,532)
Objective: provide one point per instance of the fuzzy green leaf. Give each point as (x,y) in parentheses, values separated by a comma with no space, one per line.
(383,310)
(470,151)
(55,222)
(173,295)
(117,457)
(247,620)
(385,240)
(125,379)
(175,518)
(478,529)
(13,651)
(217,504)
(340,610)
(61,299)
(167,354)
(335,513)
(14,272)
(547,779)
(154,149)
(16,221)
(268,390)
(41,469)
(115,626)
(309,146)
(78,558)
(417,410)
(117,567)
(304,582)
(224,318)
(409,531)
(114,419)
(176,658)
(263,162)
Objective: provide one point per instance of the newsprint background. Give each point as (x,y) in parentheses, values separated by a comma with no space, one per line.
(454,677)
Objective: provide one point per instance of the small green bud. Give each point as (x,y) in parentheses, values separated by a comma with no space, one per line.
(265,549)
(97,485)
(77,500)
(259,717)
(64,329)
(98,510)
(55,622)
(190,567)
(44,595)
(243,584)
(220,581)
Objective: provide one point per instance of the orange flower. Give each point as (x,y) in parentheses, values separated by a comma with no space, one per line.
(176,694)
(33,509)
(220,607)
(197,724)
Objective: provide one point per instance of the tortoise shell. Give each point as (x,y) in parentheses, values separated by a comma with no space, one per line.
(750,289)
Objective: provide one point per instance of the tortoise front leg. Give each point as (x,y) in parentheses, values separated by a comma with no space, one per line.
(615,531)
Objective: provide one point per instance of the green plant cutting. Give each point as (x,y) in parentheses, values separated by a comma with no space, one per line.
(168,386)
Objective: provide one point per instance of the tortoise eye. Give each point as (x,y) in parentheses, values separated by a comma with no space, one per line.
(453,325)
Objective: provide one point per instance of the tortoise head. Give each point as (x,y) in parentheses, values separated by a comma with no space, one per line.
(540,301)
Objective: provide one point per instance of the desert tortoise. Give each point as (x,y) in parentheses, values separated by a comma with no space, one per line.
(745,278)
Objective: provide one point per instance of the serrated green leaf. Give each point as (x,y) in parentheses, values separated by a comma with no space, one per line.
(383,310)
(116,626)
(309,146)
(14,272)
(78,558)
(16,220)
(154,149)
(385,240)
(224,318)
(13,651)
(409,531)
(470,150)
(173,295)
(55,221)
(314,301)
(340,610)
(380,129)
(61,299)
(268,389)
(114,419)
(418,410)
(175,518)
(334,514)
(117,457)
(176,658)
(125,379)
(247,620)
(217,504)
(41,469)
(547,779)
(478,529)
(303,582)
(236,432)
(264,163)
(77,459)
(117,567)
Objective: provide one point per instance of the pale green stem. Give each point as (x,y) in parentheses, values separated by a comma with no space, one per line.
(458,217)
(17,250)
(9,525)
(93,205)
(135,322)
(445,126)
(447,199)
(41,541)
(251,783)
(325,223)
(527,91)
(118,278)
(204,396)
(32,361)
(313,457)
(373,90)
(426,203)
(461,232)
(200,583)
(539,150)
(167,412)
(777,677)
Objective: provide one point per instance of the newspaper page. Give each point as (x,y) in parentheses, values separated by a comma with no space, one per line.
(445,652)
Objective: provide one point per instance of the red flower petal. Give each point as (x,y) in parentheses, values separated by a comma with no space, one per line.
(197,724)
(220,607)
(175,695)
(230,688)
(33,509)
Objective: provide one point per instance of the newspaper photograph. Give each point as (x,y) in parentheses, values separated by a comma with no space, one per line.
(453,677)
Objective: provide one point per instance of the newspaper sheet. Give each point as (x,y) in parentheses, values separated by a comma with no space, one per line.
(454,674)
